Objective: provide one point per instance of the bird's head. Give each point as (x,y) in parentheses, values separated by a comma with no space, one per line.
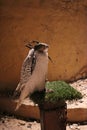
(37,46)
(41,47)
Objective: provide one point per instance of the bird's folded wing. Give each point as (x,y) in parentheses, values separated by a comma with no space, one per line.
(26,71)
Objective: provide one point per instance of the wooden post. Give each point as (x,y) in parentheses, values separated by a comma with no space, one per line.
(53,115)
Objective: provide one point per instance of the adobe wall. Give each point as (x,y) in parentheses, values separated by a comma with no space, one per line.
(61,24)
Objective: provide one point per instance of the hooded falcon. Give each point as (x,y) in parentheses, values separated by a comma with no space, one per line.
(33,72)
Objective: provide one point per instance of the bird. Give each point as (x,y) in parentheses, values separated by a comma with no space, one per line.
(33,72)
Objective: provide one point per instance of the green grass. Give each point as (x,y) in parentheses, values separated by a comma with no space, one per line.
(58,90)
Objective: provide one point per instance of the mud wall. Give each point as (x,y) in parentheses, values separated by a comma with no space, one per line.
(60,23)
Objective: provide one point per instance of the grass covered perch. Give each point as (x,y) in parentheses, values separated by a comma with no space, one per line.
(58,90)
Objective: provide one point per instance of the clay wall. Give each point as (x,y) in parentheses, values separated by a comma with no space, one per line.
(60,23)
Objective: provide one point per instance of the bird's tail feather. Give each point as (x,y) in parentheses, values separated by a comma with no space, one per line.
(18,105)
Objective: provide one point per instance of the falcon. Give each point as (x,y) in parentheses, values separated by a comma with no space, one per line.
(33,72)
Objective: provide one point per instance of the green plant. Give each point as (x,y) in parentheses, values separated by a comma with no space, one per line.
(57,90)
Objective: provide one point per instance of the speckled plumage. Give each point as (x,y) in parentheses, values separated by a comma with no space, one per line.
(26,71)
(33,72)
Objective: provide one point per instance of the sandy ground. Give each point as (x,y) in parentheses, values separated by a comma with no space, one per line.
(80,85)
(12,123)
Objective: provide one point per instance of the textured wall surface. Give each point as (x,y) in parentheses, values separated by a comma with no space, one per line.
(61,24)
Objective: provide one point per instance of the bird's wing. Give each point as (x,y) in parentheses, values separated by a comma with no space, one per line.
(26,71)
